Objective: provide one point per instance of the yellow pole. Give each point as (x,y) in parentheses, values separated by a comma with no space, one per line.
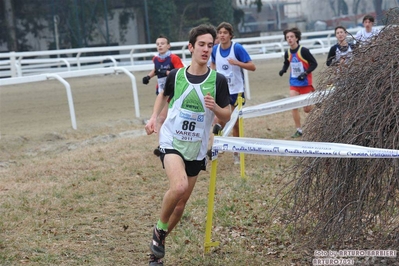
(241,134)
(208,229)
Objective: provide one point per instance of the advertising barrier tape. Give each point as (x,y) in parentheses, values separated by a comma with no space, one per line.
(282,105)
(298,148)
(286,104)
(278,147)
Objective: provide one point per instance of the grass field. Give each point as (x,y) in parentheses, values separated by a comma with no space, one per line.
(92,196)
(95,202)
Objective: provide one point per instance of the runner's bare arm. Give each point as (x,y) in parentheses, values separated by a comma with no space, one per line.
(160,102)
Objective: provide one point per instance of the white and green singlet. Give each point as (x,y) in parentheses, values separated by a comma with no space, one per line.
(187,126)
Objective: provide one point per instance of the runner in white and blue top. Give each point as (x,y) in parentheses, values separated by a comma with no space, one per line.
(233,73)
(365,35)
(230,58)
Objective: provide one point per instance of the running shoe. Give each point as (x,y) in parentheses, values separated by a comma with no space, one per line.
(236,157)
(155,261)
(217,129)
(157,152)
(157,245)
(209,154)
(297,134)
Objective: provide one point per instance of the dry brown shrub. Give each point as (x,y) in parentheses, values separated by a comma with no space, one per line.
(340,202)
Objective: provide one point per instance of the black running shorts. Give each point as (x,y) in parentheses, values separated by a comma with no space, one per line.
(192,167)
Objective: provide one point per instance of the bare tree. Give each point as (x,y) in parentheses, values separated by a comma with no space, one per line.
(10,22)
(339,7)
(378,9)
(333,7)
(353,202)
(355,6)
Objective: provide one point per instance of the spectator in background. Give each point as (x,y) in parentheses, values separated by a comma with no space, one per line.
(368,32)
(342,50)
(164,62)
(230,58)
(302,64)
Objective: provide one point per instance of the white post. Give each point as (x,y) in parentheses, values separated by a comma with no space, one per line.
(131,57)
(13,66)
(57,44)
(134,88)
(78,59)
(69,95)
(246,81)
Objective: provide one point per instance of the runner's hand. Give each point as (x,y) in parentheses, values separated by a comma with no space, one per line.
(150,127)
(302,76)
(209,102)
(146,80)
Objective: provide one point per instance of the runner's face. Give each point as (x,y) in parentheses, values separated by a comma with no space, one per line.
(224,36)
(291,39)
(202,49)
(340,34)
(368,25)
(162,45)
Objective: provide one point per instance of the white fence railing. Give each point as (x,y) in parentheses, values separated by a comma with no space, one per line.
(18,64)
(130,59)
